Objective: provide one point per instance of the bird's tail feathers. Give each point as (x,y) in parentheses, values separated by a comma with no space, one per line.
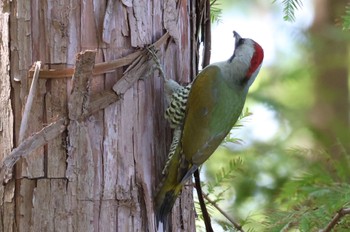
(165,201)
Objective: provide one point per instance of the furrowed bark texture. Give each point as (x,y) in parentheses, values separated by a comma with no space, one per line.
(101,172)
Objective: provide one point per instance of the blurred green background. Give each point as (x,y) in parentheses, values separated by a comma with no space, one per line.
(297,140)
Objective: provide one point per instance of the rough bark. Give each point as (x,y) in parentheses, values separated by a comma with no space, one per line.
(100,173)
(6,120)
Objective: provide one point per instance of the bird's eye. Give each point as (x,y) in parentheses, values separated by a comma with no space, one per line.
(240,42)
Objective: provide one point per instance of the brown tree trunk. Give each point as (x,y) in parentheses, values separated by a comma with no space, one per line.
(101,172)
(330,114)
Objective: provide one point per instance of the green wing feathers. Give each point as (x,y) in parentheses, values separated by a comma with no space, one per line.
(215,107)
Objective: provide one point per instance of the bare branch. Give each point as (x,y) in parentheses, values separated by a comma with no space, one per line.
(138,68)
(206,26)
(30,144)
(235,224)
(340,213)
(100,101)
(29,103)
(206,217)
(100,68)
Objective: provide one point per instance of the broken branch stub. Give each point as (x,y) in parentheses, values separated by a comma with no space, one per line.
(79,96)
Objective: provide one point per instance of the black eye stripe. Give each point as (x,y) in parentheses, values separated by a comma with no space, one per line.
(240,42)
(237,44)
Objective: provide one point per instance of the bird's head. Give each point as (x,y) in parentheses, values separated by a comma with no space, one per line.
(247,59)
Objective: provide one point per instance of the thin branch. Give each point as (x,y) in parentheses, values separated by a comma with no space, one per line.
(100,101)
(335,220)
(51,131)
(30,144)
(29,103)
(133,73)
(137,68)
(100,68)
(235,224)
(206,217)
(206,35)
(213,2)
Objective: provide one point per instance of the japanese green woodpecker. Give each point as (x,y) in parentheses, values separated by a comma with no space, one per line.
(203,114)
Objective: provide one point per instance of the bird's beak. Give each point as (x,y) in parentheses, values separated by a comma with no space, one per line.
(237,38)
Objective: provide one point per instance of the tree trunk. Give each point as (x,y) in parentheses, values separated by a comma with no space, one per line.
(101,172)
(330,114)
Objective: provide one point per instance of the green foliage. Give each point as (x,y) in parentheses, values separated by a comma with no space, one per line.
(289,8)
(311,199)
(224,175)
(346,19)
(215,11)
(305,202)
(216,190)
(226,226)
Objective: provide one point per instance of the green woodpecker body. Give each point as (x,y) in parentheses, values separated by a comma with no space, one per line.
(214,103)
